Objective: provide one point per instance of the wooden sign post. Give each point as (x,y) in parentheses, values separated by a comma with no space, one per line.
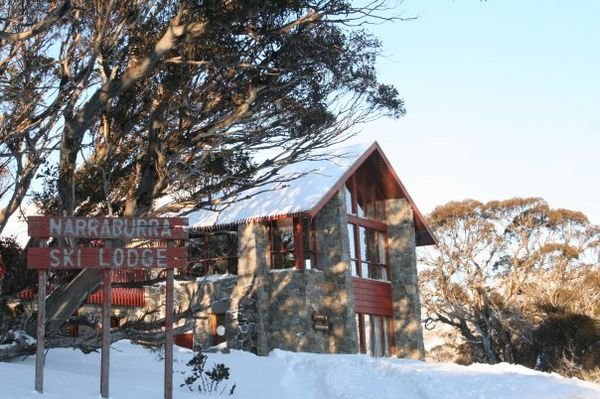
(106,258)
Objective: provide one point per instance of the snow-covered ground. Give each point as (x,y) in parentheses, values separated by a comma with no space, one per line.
(136,372)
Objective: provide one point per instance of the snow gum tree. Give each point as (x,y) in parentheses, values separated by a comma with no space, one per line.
(119,103)
(506,273)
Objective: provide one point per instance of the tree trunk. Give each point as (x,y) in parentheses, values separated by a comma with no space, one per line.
(65,300)
(62,303)
(486,344)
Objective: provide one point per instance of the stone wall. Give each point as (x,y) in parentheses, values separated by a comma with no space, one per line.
(333,254)
(405,288)
(243,299)
(213,296)
(267,309)
(295,295)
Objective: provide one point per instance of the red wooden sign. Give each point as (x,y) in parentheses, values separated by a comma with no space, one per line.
(106,258)
(111,258)
(101,227)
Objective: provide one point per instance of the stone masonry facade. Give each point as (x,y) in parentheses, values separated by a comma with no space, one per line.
(264,309)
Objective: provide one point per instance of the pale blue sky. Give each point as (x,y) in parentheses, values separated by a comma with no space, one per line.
(502,97)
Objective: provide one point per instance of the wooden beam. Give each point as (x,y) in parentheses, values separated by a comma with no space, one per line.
(169,309)
(298,243)
(41,327)
(106,313)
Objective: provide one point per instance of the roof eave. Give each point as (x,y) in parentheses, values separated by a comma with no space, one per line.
(423,236)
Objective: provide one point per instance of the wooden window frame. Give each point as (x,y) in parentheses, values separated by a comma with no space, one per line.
(366,223)
(388,323)
(298,242)
(361,333)
(204,258)
(358,261)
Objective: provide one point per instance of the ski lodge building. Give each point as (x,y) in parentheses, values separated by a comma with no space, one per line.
(325,264)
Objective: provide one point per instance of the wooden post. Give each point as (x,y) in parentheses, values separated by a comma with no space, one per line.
(299,263)
(41,328)
(105,354)
(169,331)
(106,258)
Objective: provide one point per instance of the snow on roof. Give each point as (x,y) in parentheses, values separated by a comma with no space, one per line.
(293,197)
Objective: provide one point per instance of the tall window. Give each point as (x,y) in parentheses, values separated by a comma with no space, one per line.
(368,252)
(282,244)
(213,253)
(367,231)
(364,199)
(375,334)
(292,243)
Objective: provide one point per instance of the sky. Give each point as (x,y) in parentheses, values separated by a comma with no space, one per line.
(502,100)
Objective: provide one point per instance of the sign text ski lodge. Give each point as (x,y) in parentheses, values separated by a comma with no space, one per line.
(107,257)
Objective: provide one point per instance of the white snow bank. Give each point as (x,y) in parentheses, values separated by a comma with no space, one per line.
(138,373)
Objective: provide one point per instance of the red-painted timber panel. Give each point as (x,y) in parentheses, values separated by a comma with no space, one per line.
(372,297)
(117,258)
(102,227)
(366,286)
(129,275)
(120,297)
(185,340)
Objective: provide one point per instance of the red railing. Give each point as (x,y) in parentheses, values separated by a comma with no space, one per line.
(128,275)
(120,297)
(372,297)
(26,295)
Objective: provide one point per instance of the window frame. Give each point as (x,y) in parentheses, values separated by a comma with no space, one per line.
(379,227)
(204,258)
(386,334)
(300,249)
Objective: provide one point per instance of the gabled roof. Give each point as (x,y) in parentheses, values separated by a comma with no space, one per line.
(308,194)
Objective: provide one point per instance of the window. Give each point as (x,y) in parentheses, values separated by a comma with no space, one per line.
(213,253)
(282,244)
(293,243)
(364,199)
(309,242)
(367,232)
(368,255)
(374,334)
(354,259)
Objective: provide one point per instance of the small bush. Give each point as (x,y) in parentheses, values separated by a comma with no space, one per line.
(207,381)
